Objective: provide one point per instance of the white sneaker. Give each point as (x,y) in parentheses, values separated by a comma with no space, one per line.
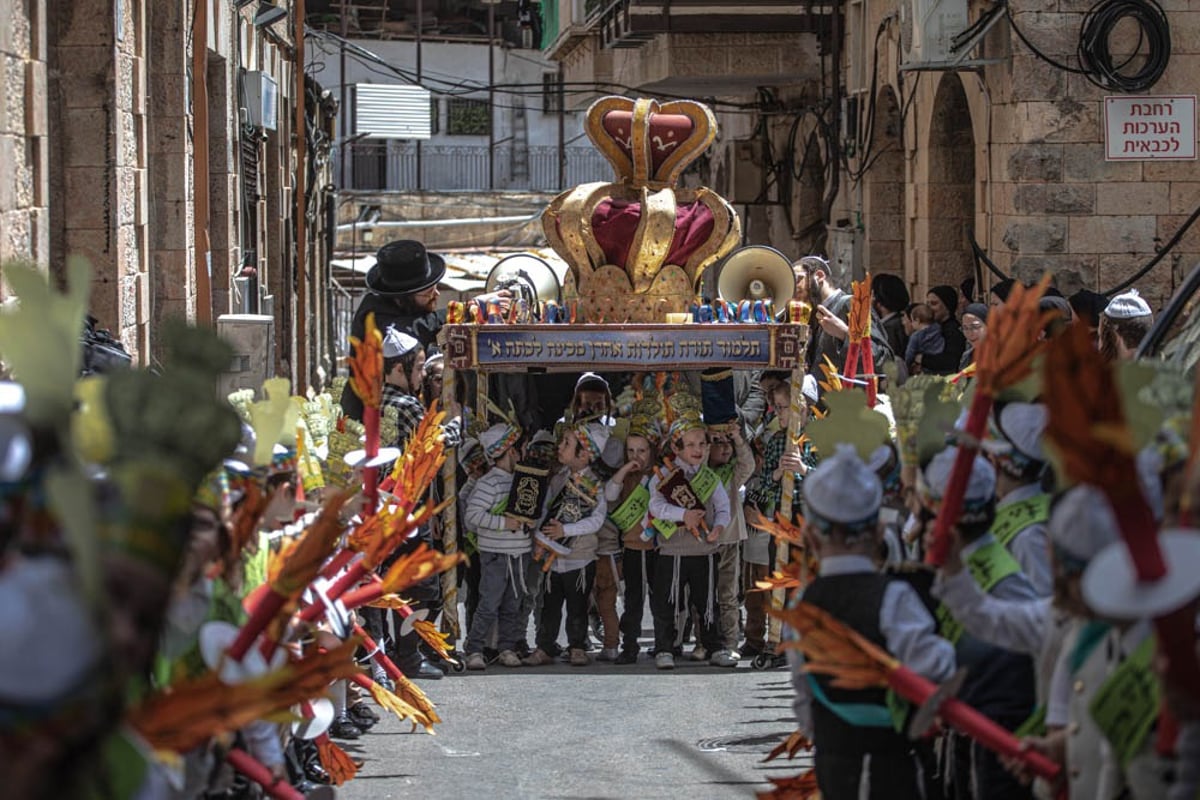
(476,663)
(664,661)
(607,654)
(723,658)
(699,653)
(509,659)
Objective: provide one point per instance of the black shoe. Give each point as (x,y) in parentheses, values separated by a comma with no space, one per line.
(316,773)
(424,670)
(626,657)
(343,728)
(363,716)
(749,651)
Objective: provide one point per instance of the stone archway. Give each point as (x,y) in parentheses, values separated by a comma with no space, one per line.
(883,203)
(950,215)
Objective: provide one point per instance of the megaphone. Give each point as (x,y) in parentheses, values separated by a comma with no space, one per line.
(526,276)
(756,272)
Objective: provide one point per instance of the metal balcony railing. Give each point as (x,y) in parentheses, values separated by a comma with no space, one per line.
(392,166)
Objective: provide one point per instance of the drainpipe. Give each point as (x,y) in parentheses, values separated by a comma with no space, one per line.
(301,135)
(200,242)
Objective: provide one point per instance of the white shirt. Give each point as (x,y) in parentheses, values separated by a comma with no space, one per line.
(908,629)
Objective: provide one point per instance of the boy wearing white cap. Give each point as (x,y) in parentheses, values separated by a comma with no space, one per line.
(1000,684)
(403,377)
(688,545)
(842,497)
(1022,508)
(1124,322)
(504,544)
(1078,656)
(575,512)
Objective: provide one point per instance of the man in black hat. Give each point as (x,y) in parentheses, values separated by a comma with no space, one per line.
(403,288)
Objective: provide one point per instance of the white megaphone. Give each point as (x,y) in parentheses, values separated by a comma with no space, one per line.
(754,273)
(526,276)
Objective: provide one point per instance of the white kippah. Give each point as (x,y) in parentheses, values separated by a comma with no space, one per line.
(981,485)
(1082,522)
(1127,306)
(1022,425)
(397,343)
(842,489)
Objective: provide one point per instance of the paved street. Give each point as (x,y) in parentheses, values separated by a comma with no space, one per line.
(603,731)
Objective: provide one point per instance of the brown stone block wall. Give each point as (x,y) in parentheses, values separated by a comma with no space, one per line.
(1058,205)
(24,192)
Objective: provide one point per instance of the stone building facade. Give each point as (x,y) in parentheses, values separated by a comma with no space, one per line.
(99,134)
(1004,149)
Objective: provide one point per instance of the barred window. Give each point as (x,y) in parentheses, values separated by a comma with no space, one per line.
(465,117)
(550,93)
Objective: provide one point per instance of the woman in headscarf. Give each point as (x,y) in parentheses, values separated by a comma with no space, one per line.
(974,326)
(944,300)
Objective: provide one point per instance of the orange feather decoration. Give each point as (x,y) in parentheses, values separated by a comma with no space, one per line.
(790,746)
(859,318)
(366,365)
(438,642)
(1003,358)
(340,766)
(306,555)
(412,568)
(832,648)
(833,381)
(797,787)
(186,715)
(422,459)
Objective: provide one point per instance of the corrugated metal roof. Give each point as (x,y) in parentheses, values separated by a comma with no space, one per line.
(391,111)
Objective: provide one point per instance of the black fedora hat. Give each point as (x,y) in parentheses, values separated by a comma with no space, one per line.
(404,267)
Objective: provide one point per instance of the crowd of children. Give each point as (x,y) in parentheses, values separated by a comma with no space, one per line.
(642,509)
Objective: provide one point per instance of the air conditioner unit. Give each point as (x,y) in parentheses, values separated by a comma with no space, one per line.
(927,28)
(252,337)
(262,100)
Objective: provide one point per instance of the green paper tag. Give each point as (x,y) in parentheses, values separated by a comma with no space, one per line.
(1126,706)
(1016,517)
(632,510)
(988,565)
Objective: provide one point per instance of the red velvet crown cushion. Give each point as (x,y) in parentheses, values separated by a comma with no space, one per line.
(614,224)
(667,133)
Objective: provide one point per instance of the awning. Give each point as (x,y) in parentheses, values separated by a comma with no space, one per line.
(466,271)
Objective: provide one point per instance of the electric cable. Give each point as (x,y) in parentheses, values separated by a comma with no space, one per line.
(1170,245)
(1097,30)
(1093,51)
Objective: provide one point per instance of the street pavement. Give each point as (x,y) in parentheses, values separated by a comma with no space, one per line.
(601,731)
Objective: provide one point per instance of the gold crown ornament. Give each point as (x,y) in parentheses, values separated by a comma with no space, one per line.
(637,247)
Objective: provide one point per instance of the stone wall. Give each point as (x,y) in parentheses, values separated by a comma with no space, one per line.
(1060,207)
(24,179)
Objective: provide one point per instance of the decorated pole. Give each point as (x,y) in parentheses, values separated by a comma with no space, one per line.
(859,335)
(832,648)
(1005,357)
(450,622)
(253,769)
(1150,575)
(300,566)
(787,502)
(366,380)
